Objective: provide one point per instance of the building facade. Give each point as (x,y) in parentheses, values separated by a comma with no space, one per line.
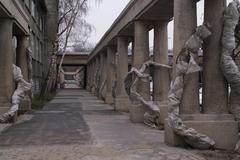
(26,41)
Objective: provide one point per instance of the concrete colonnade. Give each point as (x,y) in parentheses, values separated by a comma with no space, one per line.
(214,121)
(212,118)
(7,58)
(140,54)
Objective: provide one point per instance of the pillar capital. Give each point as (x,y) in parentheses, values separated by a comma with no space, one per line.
(111,46)
(143,21)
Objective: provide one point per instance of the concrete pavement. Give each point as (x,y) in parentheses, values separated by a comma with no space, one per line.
(75,125)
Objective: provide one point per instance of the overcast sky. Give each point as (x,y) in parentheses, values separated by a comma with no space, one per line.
(103,15)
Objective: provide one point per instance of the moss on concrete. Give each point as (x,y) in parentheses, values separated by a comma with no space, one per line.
(38,103)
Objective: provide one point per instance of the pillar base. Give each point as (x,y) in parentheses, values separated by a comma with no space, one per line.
(122,104)
(163,113)
(223,129)
(102,95)
(109,99)
(92,90)
(137,112)
(88,88)
(14,118)
(4,107)
(95,93)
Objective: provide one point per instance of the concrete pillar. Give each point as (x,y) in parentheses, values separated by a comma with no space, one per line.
(62,79)
(22,62)
(105,70)
(22,57)
(161,79)
(121,100)
(91,75)
(88,75)
(101,68)
(161,76)
(140,55)
(215,92)
(185,23)
(110,73)
(102,75)
(97,78)
(6,61)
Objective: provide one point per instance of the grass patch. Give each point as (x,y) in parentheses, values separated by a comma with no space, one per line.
(39,103)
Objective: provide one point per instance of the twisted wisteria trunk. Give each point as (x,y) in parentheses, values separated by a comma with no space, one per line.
(97,81)
(102,89)
(150,118)
(186,64)
(19,93)
(228,65)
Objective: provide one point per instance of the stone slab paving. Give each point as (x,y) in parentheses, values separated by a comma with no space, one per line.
(75,125)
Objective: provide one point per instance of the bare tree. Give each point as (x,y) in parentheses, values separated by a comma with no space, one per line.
(83,47)
(71,26)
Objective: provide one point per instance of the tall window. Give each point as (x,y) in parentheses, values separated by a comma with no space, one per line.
(27,2)
(41,24)
(41,52)
(33,8)
(37,49)
(32,44)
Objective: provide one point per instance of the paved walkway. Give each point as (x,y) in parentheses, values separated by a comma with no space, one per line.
(77,126)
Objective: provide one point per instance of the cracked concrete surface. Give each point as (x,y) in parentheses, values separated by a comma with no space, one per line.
(75,125)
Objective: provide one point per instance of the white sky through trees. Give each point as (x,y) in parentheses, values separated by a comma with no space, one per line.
(103,15)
